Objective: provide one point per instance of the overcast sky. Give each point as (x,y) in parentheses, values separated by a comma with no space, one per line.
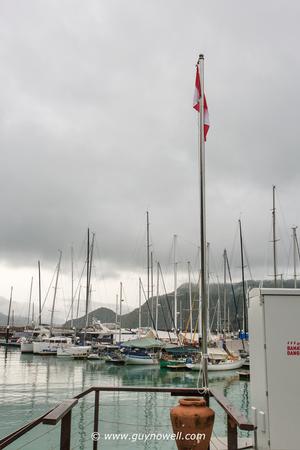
(97,126)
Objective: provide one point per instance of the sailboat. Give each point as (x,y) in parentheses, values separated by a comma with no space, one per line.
(226,364)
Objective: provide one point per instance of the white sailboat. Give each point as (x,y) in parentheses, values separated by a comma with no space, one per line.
(227,364)
(218,359)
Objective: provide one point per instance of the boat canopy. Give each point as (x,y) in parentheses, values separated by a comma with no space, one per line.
(144,343)
(182,350)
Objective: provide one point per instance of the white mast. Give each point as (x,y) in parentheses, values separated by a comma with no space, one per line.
(78,302)
(29,304)
(121,299)
(55,292)
(116,319)
(190,300)
(157,299)
(225,291)
(218,311)
(32,319)
(148,263)
(151,275)
(72,286)
(8,315)
(295,255)
(40,295)
(274,238)
(140,303)
(175,284)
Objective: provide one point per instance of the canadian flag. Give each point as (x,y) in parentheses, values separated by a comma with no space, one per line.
(196,102)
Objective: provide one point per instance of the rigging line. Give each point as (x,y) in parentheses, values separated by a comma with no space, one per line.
(281,213)
(125,297)
(63,298)
(270,259)
(166,325)
(234,297)
(231,255)
(139,243)
(247,262)
(168,303)
(149,309)
(297,244)
(75,292)
(266,257)
(214,314)
(164,316)
(49,287)
(289,258)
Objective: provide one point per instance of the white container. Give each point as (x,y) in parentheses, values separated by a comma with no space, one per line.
(274,339)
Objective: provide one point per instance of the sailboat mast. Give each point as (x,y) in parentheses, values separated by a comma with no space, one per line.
(32,318)
(121,299)
(78,302)
(157,299)
(175,284)
(8,315)
(218,312)
(190,300)
(151,273)
(274,238)
(55,292)
(91,252)
(140,303)
(87,292)
(148,259)
(243,280)
(40,294)
(225,291)
(295,255)
(72,286)
(29,303)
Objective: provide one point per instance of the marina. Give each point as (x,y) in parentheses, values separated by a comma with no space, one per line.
(27,393)
(134,217)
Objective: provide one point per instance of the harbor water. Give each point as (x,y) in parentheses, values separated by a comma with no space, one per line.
(31,384)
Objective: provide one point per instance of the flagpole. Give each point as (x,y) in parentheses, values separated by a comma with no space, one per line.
(203,226)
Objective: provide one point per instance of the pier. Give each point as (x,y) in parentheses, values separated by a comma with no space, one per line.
(62,414)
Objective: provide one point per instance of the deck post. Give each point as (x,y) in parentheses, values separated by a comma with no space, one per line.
(96,419)
(65,432)
(232,435)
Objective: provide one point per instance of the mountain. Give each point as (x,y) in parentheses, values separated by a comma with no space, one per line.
(105,315)
(18,320)
(166,302)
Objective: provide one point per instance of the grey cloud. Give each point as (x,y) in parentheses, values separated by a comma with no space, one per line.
(96,124)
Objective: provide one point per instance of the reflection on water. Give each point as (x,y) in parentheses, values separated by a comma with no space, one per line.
(31,384)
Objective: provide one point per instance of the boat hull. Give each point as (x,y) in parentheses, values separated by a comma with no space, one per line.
(140,360)
(26,347)
(232,365)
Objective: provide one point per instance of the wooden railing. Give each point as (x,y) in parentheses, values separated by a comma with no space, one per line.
(63,413)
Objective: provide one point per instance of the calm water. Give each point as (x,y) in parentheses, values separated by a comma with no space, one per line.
(31,384)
